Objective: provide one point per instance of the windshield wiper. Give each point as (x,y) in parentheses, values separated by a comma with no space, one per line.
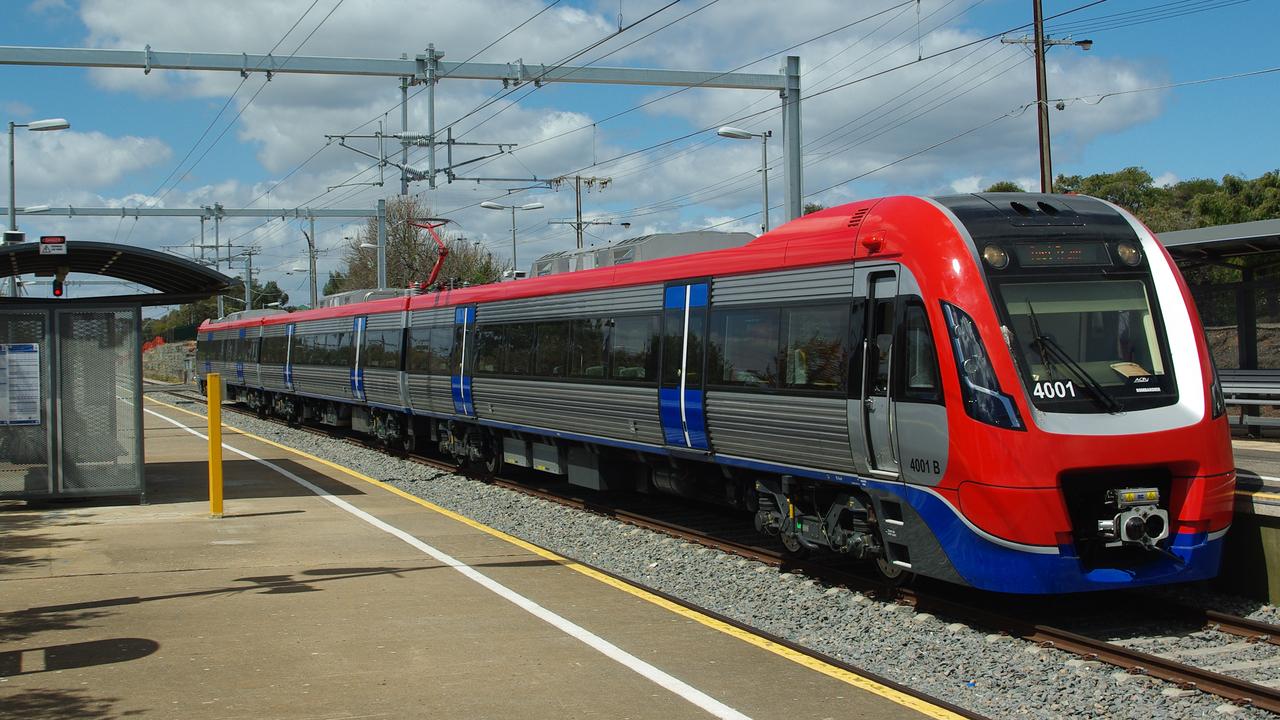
(1047,345)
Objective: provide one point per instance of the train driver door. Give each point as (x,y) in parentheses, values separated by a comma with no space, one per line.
(460,359)
(880,288)
(680,396)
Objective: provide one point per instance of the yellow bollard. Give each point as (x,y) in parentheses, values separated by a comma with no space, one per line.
(214,384)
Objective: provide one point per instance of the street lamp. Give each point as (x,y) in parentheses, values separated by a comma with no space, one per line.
(733,133)
(487,205)
(12,235)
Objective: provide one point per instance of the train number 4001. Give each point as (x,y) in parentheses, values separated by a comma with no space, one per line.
(1049,390)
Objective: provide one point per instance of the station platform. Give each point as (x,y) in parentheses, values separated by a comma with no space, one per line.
(1251,556)
(323,594)
(1257,476)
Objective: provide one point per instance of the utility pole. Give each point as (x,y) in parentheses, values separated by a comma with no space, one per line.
(311,258)
(404,146)
(1041,44)
(217,252)
(578,181)
(1042,103)
(382,243)
(248,277)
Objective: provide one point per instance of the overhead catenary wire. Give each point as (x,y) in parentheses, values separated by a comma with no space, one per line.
(552,69)
(1142,16)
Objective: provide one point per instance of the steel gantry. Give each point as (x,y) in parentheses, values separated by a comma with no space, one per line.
(216,212)
(430,68)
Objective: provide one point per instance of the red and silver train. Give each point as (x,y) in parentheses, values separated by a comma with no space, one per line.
(1008,391)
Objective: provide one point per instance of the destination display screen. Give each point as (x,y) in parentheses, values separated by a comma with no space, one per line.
(1044,254)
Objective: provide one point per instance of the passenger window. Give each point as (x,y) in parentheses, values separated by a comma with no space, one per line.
(382,349)
(552,349)
(518,357)
(815,348)
(419,360)
(488,352)
(920,372)
(587,357)
(743,347)
(881,342)
(633,340)
(441,349)
(672,345)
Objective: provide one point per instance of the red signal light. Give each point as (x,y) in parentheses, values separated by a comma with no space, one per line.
(58,278)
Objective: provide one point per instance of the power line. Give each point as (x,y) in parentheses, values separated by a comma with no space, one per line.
(1166,11)
(223,109)
(684,89)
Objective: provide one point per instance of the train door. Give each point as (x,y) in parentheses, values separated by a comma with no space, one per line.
(288,356)
(680,396)
(460,359)
(880,288)
(242,354)
(357,362)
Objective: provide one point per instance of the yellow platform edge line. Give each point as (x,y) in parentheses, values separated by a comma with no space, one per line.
(799,658)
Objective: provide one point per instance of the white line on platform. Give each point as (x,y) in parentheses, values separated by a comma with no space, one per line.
(679,687)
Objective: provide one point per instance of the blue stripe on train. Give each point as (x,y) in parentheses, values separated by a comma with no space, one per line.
(673,429)
(989,565)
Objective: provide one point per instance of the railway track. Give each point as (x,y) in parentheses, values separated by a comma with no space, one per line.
(692,526)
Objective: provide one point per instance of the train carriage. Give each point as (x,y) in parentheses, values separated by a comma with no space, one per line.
(1009,391)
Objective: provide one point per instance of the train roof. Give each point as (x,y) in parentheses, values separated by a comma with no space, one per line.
(396,304)
(821,238)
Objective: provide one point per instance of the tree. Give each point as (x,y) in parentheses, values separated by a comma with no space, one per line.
(337,280)
(268,294)
(813,207)
(1005,186)
(411,253)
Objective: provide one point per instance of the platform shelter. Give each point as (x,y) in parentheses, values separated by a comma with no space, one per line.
(71,368)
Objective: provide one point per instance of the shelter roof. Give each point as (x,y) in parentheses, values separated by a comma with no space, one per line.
(175,279)
(1224,241)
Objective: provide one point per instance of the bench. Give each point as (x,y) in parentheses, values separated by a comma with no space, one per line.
(1250,389)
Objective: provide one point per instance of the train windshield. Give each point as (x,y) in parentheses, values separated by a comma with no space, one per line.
(1088,345)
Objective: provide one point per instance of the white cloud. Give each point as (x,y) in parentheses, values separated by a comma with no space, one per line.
(970,184)
(40,7)
(16,109)
(52,166)
(1165,179)
(865,129)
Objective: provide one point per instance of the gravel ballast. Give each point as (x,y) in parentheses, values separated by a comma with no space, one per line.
(991,674)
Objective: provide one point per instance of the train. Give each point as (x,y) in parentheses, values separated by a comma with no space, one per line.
(1011,392)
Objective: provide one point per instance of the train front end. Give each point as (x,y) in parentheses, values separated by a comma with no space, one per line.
(1089,449)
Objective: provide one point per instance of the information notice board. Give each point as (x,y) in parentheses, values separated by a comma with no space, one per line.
(20,384)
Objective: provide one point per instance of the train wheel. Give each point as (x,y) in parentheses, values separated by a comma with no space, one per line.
(795,549)
(896,575)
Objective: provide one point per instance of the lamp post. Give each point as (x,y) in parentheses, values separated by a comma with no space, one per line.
(12,235)
(1040,45)
(513,208)
(733,133)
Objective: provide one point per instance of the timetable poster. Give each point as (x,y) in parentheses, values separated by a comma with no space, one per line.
(19,384)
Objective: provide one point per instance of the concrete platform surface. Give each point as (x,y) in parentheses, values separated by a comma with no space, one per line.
(1257,476)
(351,603)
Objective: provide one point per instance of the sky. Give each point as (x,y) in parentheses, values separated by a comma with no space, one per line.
(956,121)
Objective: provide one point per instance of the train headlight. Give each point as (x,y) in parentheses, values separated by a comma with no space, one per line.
(1129,254)
(983,399)
(995,256)
(1125,498)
